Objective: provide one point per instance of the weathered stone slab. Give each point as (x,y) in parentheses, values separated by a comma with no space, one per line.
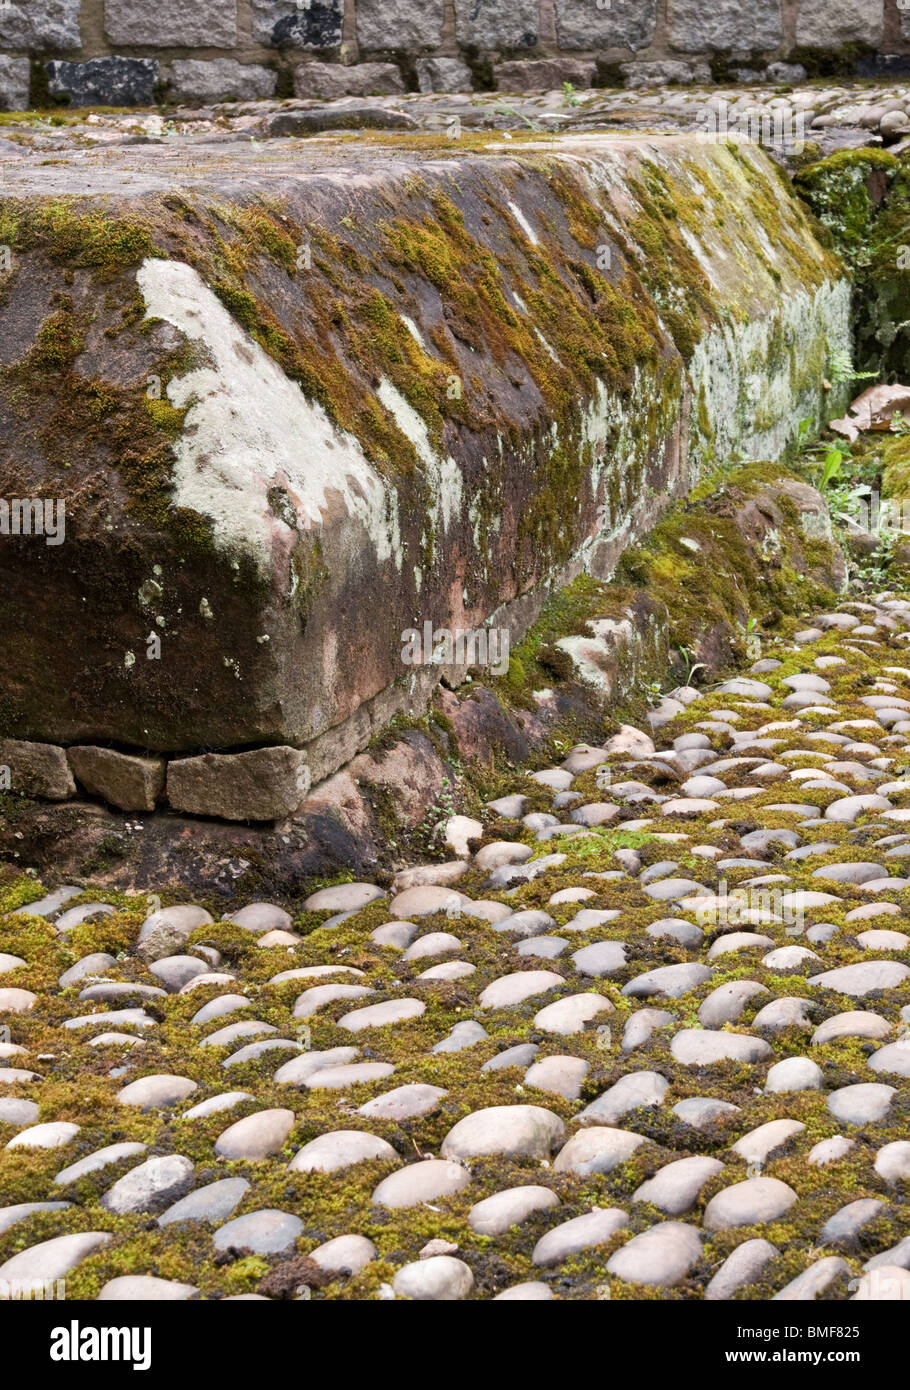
(48,26)
(543,74)
(129,782)
(840,21)
(285,24)
(264,784)
(724,25)
(37,769)
(104,81)
(220,79)
(14,81)
(490,24)
(328,80)
(328,118)
(620,24)
(443,75)
(664,72)
(399,24)
(171,23)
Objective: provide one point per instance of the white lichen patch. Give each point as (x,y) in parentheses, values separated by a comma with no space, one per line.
(753,396)
(414,331)
(621,451)
(483,527)
(248,429)
(594,656)
(446,484)
(523,223)
(547,348)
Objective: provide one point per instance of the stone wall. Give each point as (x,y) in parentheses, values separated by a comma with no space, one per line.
(122,52)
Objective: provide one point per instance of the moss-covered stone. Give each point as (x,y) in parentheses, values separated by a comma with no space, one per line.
(862,197)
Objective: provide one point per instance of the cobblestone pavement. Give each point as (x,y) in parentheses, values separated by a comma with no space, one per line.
(644,1034)
(783,117)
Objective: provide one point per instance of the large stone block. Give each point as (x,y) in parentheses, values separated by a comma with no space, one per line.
(620,24)
(265,784)
(359,116)
(829,23)
(328,80)
(172,23)
(283,24)
(220,79)
(544,75)
(664,72)
(104,81)
(793,74)
(724,25)
(393,24)
(41,26)
(282,517)
(410,772)
(14,83)
(490,24)
(443,75)
(129,782)
(36,769)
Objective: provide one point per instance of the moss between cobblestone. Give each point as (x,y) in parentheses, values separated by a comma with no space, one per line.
(330,1205)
